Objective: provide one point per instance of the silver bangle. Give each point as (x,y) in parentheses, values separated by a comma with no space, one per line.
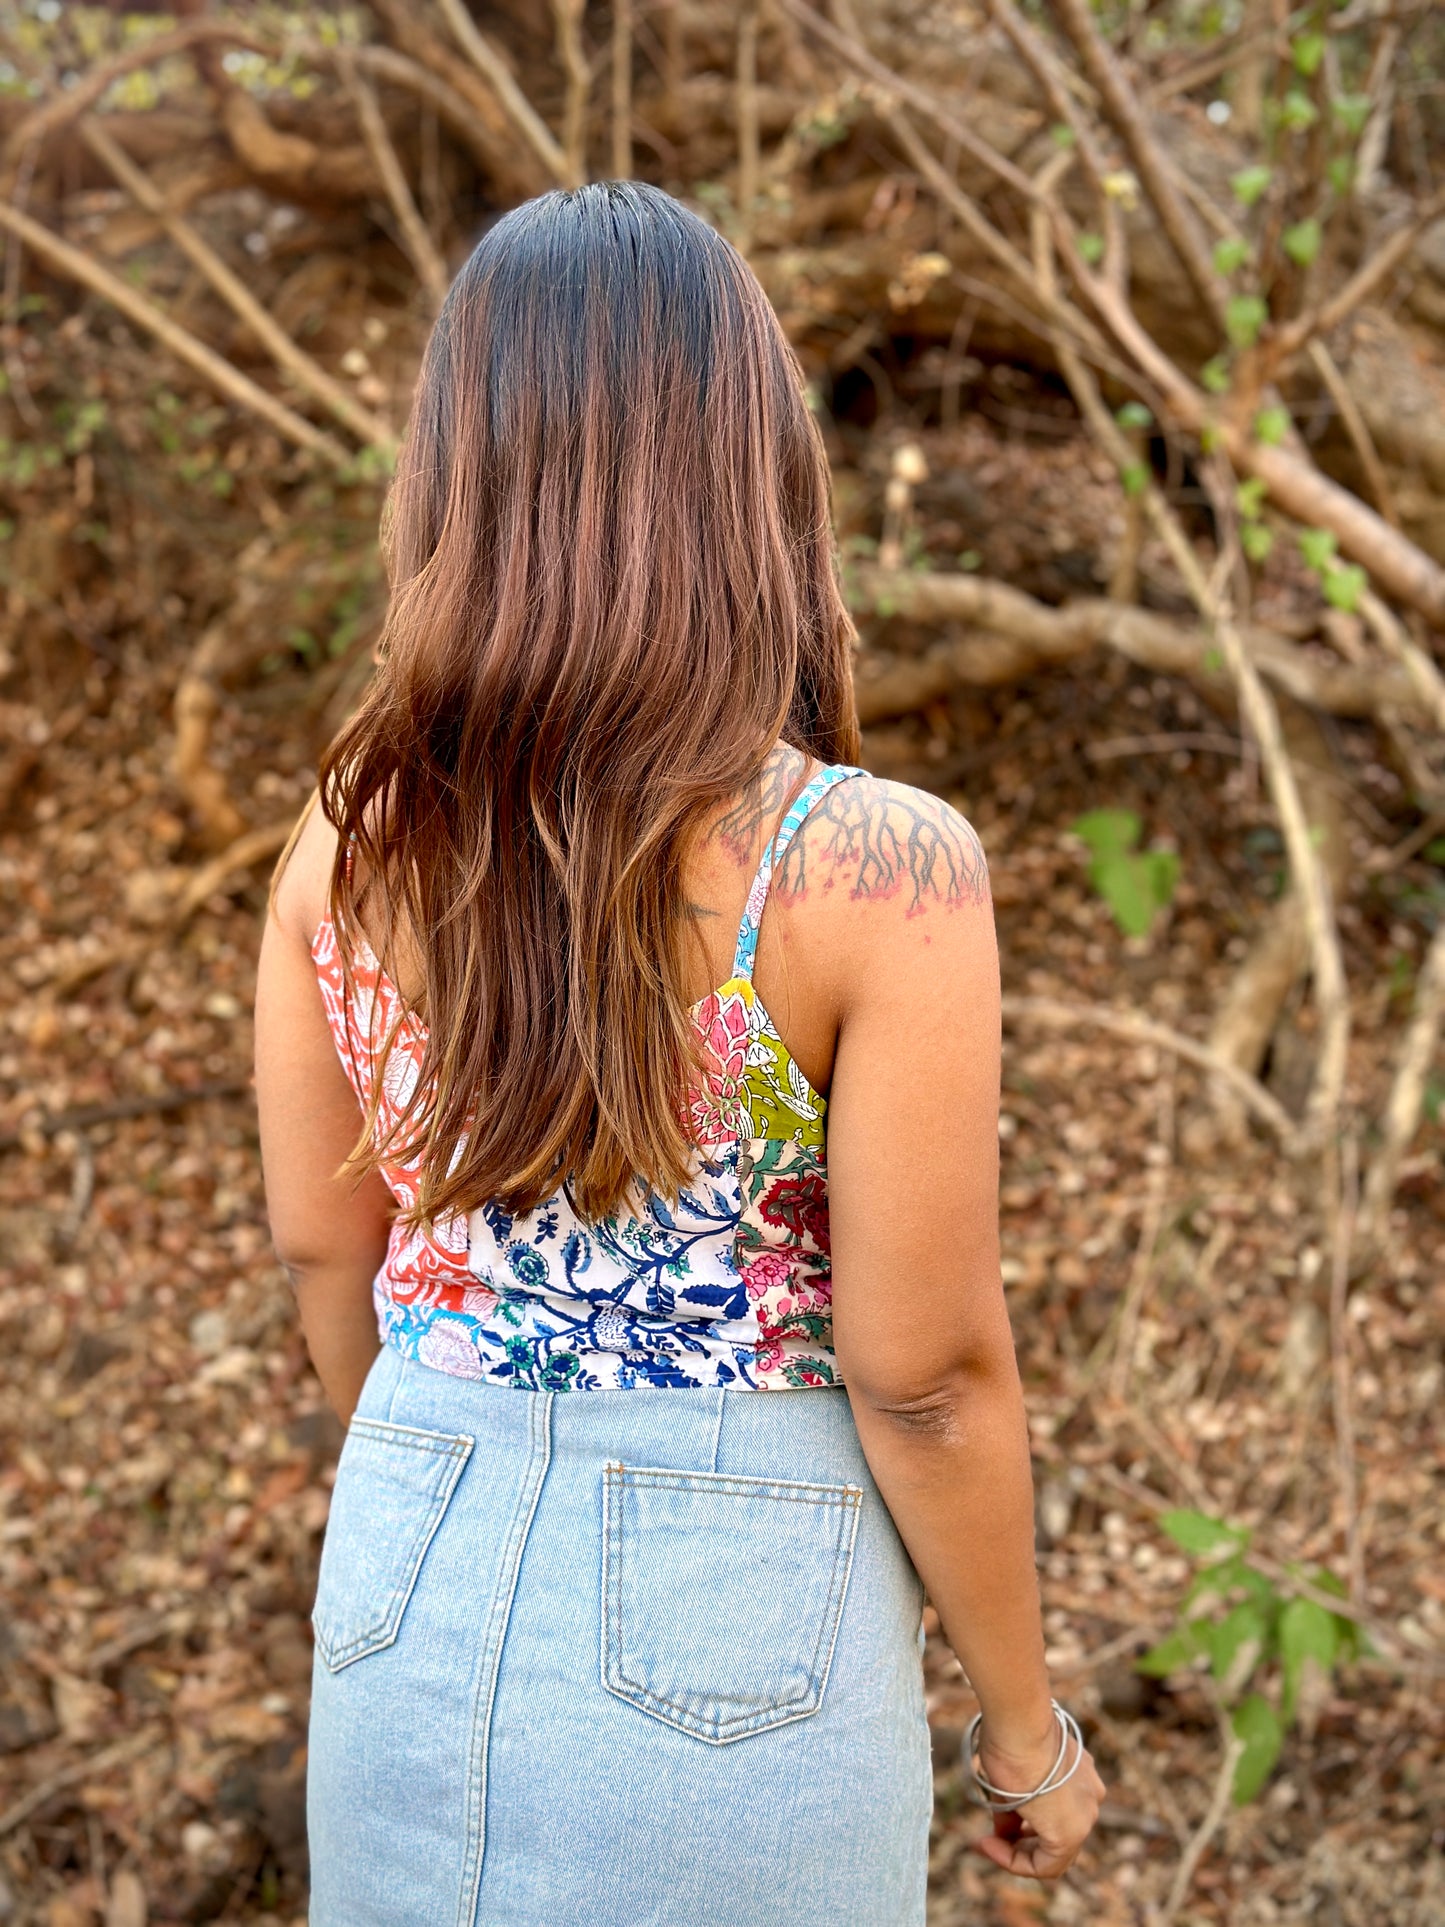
(996,1798)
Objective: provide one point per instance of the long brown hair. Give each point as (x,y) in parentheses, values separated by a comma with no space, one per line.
(612,592)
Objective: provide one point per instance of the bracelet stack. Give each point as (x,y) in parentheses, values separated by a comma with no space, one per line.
(996,1798)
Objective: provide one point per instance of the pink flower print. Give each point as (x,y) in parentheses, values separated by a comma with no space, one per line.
(768,1355)
(716,1108)
(723,1025)
(767,1272)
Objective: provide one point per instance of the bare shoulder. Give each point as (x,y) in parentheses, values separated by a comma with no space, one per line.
(303,875)
(902,851)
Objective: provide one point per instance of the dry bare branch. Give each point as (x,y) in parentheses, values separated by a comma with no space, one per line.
(621,89)
(461,98)
(1258,710)
(228,381)
(1371,275)
(303,369)
(567,18)
(1016,635)
(499,77)
(1401,1115)
(416,238)
(62,108)
(1342,1212)
(1155,174)
(1358,430)
(894,84)
(747,117)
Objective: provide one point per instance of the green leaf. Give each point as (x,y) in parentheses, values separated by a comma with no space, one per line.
(1244,316)
(1317,546)
(1213,662)
(1351,111)
(1340,173)
(1172,1654)
(1126,884)
(1230,254)
(1163,870)
(1307,51)
(1091,247)
(1209,438)
(1108,832)
(1062,135)
(1134,415)
(1302,241)
(1306,1632)
(1215,375)
(969,560)
(1236,1644)
(1271,425)
(1222,1577)
(1297,111)
(1257,1726)
(1256,541)
(1434,850)
(1249,184)
(1344,584)
(1249,498)
(1135,477)
(1196,1532)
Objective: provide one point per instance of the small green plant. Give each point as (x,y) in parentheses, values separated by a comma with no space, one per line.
(1267,1652)
(1136,884)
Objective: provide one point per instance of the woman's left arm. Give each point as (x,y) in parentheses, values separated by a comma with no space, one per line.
(330,1232)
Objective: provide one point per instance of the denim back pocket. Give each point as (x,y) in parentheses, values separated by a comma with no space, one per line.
(392,1487)
(721,1595)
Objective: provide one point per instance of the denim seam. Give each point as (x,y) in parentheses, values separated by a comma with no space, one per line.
(491,1657)
(385,1631)
(843,1501)
(688,1720)
(456,1445)
(782,1490)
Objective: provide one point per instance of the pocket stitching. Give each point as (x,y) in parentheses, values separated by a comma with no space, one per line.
(845,1499)
(387,1620)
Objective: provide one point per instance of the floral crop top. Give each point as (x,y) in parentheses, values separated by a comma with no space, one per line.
(729,1287)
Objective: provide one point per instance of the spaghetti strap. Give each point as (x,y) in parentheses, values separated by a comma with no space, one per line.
(747,946)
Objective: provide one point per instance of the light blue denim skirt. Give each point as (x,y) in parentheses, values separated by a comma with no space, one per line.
(613,1659)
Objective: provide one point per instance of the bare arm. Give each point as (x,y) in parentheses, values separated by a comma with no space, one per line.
(920,1322)
(330,1233)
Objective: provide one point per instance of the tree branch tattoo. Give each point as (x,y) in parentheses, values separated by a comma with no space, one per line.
(760,806)
(892,839)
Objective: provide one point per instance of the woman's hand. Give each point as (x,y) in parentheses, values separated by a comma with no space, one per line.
(1040,1840)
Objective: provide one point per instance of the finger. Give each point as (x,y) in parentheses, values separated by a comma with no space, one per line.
(1030,1859)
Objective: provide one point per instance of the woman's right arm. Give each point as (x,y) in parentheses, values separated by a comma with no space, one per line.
(920,1324)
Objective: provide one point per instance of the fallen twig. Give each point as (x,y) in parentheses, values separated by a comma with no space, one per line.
(80,1773)
(121,1109)
(1214,1815)
(1143,1030)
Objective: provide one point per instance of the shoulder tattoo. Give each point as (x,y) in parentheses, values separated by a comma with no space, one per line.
(890,839)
